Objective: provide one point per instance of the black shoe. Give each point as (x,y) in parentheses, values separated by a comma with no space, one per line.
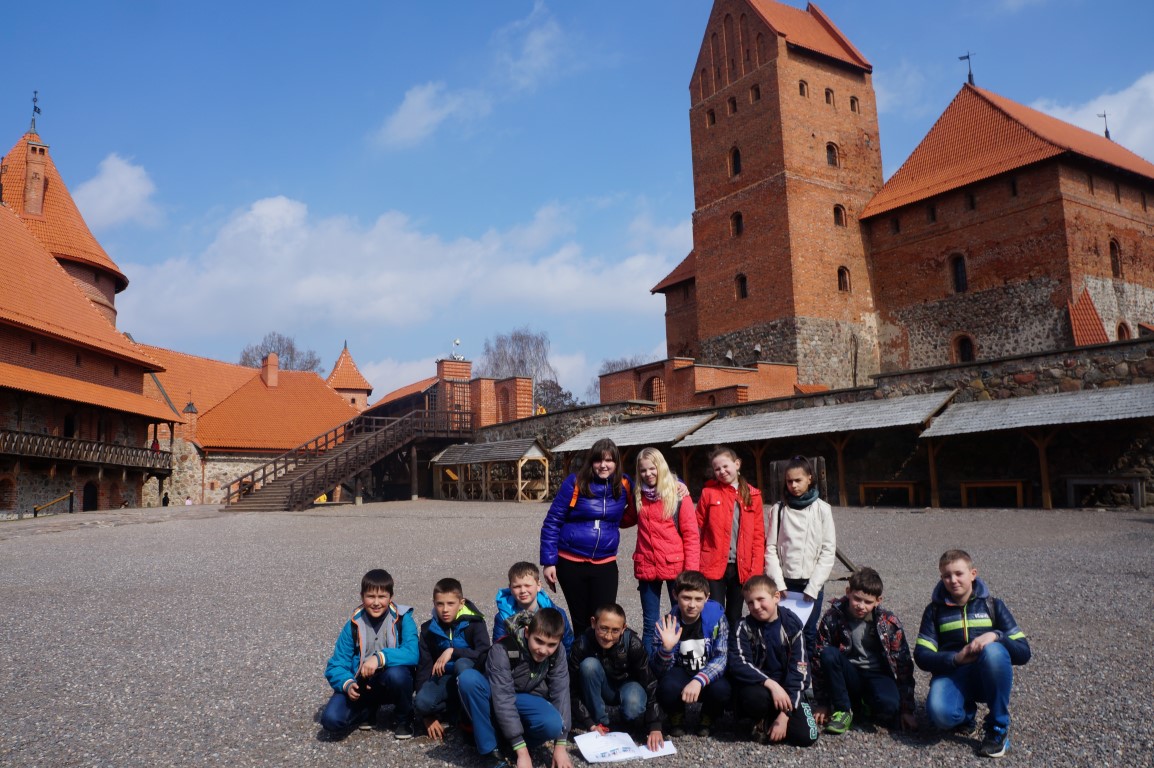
(497,759)
(704,725)
(369,719)
(677,725)
(996,742)
(403,729)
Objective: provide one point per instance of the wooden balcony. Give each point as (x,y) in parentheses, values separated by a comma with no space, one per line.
(90,452)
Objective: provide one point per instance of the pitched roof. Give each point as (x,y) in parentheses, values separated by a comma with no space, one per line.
(206,381)
(411,389)
(1086,322)
(650,430)
(483,453)
(260,418)
(61,228)
(36,293)
(686,270)
(810,29)
(79,391)
(346,375)
(981,135)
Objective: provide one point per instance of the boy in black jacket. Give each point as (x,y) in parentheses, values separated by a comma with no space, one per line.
(610,665)
(525,689)
(453,640)
(769,667)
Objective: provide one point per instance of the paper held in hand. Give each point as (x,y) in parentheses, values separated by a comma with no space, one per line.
(796,602)
(614,746)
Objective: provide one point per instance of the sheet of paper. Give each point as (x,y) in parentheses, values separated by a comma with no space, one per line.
(666,749)
(615,746)
(796,602)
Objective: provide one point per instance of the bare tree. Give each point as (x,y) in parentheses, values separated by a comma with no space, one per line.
(523,352)
(613,364)
(285,347)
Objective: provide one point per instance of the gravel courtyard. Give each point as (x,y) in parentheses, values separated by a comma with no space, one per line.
(193,637)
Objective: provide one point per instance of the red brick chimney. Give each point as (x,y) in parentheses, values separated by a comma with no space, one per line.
(269,367)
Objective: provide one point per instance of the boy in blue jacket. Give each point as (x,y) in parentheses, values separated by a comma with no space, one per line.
(770,669)
(521,599)
(453,640)
(968,642)
(373,660)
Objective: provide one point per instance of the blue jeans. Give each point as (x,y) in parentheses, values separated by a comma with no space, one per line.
(539,719)
(651,609)
(849,684)
(713,697)
(953,697)
(435,696)
(391,684)
(597,691)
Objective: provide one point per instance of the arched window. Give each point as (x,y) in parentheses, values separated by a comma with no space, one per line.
(839,216)
(803,88)
(958,270)
(1123,335)
(736,224)
(735,162)
(1115,258)
(843,283)
(854,106)
(654,390)
(831,155)
(741,287)
(7,493)
(963,349)
(732,104)
(829,96)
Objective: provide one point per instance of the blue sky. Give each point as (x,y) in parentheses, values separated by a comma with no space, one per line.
(399,177)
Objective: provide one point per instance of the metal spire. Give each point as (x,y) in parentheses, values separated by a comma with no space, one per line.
(35,110)
(969,66)
(1105,122)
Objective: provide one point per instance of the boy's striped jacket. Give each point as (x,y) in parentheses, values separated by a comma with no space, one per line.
(948,628)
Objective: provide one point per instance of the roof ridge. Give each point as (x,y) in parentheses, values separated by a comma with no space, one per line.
(198,357)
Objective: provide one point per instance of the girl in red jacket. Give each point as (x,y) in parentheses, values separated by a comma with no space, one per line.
(667,537)
(729,514)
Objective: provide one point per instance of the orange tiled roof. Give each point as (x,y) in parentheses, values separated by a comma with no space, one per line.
(78,391)
(810,29)
(260,418)
(346,375)
(981,135)
(809,389)
(686,270)
(36,293)
(1086,322)
(412,389)
(61,228)
(209,381)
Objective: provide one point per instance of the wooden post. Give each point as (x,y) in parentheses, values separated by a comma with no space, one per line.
(1042,440)
(932,451)
(520,490)
(413,484)
(839,444)
(685,454)
(758,453)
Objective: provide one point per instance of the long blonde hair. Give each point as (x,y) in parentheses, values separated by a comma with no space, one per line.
(666,482)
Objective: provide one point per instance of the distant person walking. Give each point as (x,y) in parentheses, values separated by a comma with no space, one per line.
(188,501)
(164,499)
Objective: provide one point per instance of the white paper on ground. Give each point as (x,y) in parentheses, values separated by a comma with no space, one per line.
(796,602)
(615,746)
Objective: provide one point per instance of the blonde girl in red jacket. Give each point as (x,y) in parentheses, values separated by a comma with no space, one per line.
(729,514)
(667,537)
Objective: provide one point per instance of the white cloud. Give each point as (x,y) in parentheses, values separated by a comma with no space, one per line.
(1130,113)
(424,108)
(573,371)
(901,90)
(388,375)
(530,50)
(119,193)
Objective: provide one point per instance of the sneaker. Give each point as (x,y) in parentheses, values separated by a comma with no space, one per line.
(497,759)
(996,742)
(369,719)
(403,729)
(677,724)
(761,732)
(839,722)
(704,725)
(968,728)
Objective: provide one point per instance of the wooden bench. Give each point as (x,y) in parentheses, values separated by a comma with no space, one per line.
(1135,482)
(971,485)
(912,489)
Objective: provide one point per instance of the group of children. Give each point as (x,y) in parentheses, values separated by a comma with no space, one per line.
(531,681)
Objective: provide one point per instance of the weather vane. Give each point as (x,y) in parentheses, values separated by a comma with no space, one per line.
(969,66)
(35,110)
(1105,122)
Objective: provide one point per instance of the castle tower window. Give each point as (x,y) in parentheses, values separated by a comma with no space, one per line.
(1090,182)
(731,103)
(1123,332)
(1117,192)
(971,201)
(654,390)
(741,287)
(958,269)
(736,224)
(1013,186)
(839,216)
(78,361)
(755,93)
(931,213)
(803,88)
(854,106)
(895,226)
(32,347)
(831,155)
(829,96)
(734,162)
(710,117)
(963,349)
(1115,258)
(843,283)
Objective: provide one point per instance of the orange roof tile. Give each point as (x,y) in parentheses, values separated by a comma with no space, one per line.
(412,389)
(260,418)
(1086,322)
(686,270)
(809,389)
(810,29)
(78,391)
(208,381)
(346,375)
(36,293)
(61,228)
(981,135)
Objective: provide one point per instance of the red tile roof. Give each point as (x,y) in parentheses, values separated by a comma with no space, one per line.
(1086,322)
(78,391)
(260,418)
(411,389)
(346,375)
(981,135)
(208,381)
(810,29)
(809,389)
(61,228)
(36,293)
(686,270)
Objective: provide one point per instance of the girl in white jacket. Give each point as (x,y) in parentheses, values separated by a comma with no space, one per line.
(801,544)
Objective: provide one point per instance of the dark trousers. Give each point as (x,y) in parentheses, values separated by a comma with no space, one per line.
(713,697)
(727,591)
(390,684)
(849,685)
(587,587)
(438,695)
(755,702)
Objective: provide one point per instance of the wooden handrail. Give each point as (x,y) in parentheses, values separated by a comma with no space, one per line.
(70,495)
(82,451)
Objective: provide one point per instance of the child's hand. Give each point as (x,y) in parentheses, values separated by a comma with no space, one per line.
(909,721)
(780,697)
(974,648)
(777,732)
(691,692)
(682,490)
(369,668)
(656,741)
(550,574)
(442,660)
(353,692)
(821,715)
(525,760)
(560,757)
(433,729)
(669,632)
(601,728)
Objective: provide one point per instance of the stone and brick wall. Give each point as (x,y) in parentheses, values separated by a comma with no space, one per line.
(41,353)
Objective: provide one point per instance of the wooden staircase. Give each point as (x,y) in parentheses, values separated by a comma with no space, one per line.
(291,481)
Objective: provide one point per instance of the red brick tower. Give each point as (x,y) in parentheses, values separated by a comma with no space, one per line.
(784,130)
